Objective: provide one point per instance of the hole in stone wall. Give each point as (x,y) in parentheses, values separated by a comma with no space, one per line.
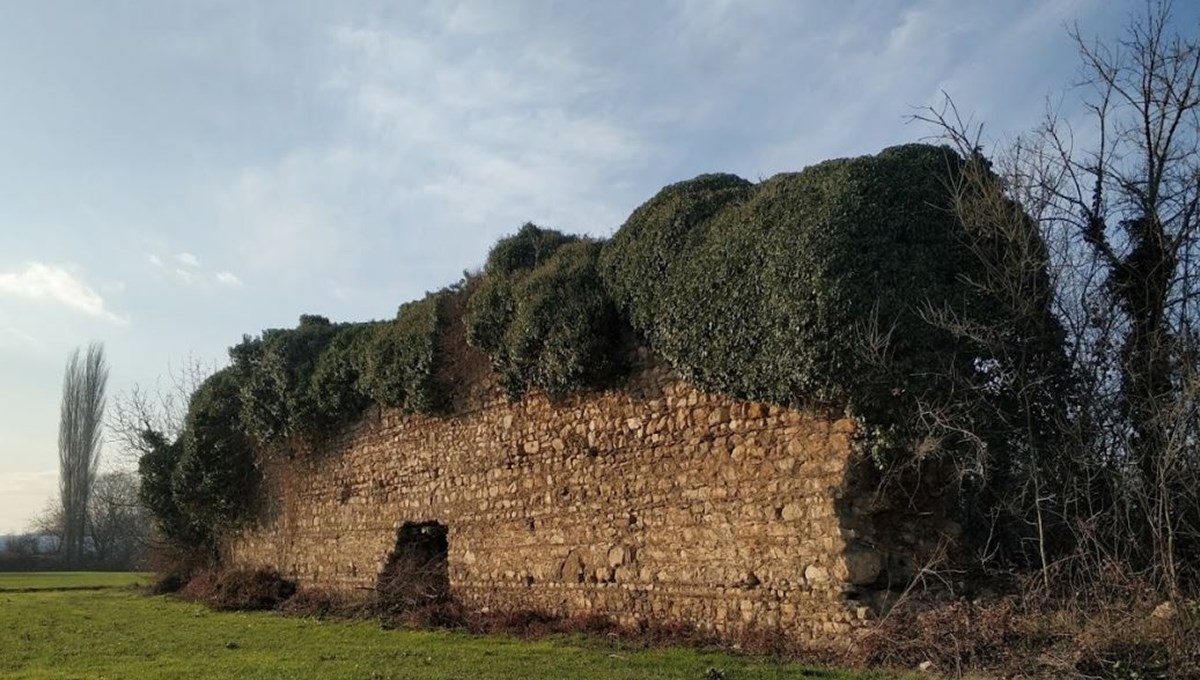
(417,571)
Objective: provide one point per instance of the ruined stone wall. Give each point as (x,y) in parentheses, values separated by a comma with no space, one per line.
(655,503)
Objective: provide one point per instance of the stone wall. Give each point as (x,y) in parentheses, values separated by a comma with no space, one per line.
(655,503)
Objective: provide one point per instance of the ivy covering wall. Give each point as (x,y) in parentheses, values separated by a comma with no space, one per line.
(542,315)
(762,291)
(773,291)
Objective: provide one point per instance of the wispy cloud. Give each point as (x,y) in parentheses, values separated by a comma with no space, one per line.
(49,283)
(505,133)
(229,279)
(187,259)
(452,133)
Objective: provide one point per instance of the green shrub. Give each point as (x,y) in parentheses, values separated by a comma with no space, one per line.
(156,468)
(543,316)
(215,476)
(525,250)
(491,308)
(401,358)
(277,371)
(565,334)
(764,291)
(649,245)
(338,384)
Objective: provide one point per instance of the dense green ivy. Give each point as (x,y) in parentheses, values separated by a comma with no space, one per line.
(768,291)
(216,473)
(544,317)
(156,468)
(201,483)
(277,370)
(400,361)
(764,291)
(338,383)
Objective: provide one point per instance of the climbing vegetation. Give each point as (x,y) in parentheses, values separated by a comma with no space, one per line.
(543,316)
(813,288)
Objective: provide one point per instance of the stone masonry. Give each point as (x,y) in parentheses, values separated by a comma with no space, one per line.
(656,503)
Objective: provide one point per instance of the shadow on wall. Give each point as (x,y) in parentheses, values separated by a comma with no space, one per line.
(896,532)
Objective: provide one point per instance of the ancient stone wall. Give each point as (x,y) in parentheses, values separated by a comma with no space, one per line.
(654,503)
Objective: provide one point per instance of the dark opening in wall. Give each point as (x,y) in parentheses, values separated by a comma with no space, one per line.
(417,572)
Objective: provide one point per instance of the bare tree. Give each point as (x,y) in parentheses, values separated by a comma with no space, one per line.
(1118,215)
(80,429)
(118,523)
(50,522)
(159,409)
(1139,217)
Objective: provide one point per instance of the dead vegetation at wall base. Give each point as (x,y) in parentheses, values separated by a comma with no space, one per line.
(1090,634)
(1114,636)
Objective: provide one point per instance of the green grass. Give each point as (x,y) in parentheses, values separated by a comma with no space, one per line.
(59,580)
(119,633)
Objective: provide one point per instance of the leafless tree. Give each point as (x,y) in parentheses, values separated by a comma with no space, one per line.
(118,523)
(1115,204)
(160,409)
(79,433)
(50,521)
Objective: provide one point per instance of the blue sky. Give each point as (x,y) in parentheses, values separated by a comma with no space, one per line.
(173,175)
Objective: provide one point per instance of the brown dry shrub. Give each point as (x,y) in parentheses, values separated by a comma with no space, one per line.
(406,586)
(447,614)
(200,587)
(1124,634)
(239,589)
(1141,643)
(175,565)
(953,635)
(166,585)
(590,624)
(533,624)
(524,623)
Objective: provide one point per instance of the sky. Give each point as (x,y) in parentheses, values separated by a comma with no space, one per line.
(174,175)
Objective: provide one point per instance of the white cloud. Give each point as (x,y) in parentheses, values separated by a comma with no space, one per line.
(185,275)
(229,279)
(442,145)
(51,283)
(187,259)
(154,260)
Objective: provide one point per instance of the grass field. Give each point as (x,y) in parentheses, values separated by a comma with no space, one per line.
(68,580)
(118,633)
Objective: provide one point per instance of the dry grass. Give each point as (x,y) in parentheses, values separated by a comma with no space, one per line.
(1116,630)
